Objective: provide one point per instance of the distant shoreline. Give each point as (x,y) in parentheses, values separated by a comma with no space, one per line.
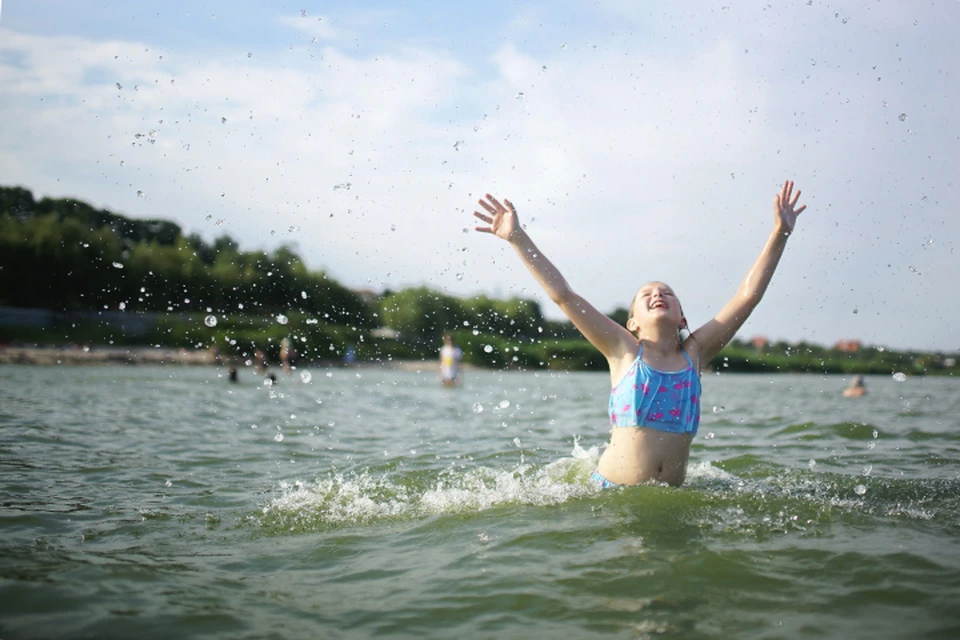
(74,355)
(100,355)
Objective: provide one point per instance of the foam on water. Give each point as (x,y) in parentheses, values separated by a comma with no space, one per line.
(757,499)
(357,499)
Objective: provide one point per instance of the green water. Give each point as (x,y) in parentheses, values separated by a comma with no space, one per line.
(355,503)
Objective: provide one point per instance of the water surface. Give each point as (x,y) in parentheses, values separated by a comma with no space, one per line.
(356,503)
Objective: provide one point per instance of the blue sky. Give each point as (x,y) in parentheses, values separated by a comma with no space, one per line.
(639,141)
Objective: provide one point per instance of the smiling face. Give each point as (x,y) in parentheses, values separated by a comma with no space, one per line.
(655,304)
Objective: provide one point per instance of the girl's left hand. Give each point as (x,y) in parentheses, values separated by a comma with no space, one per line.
(785,207)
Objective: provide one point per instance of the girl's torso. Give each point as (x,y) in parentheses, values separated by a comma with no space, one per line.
(639,454)
(655,415)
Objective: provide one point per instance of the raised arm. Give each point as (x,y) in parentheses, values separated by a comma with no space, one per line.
(613,341)
(716,333)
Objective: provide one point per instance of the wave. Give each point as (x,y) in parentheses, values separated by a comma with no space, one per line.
(746,494)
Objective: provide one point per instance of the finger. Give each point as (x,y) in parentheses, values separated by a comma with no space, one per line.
(483,229)
(491,210)
(509,205)
(787,188)
(496,203)
(796,197)
(486,219)
(800,210)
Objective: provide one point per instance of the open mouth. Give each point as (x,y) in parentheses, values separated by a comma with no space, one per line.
(659,304)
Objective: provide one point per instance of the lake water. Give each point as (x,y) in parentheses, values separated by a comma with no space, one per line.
(159,502)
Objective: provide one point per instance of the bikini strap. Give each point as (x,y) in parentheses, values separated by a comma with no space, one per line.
(689,361)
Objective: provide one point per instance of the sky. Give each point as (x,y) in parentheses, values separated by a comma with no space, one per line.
(639,141)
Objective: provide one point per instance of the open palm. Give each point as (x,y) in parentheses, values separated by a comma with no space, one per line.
(785,206)
(502,220)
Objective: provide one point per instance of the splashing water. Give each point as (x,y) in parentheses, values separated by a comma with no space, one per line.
(348,500)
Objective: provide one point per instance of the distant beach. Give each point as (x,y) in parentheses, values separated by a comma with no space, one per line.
(76,355)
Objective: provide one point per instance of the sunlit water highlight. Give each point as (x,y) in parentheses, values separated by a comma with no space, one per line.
(352,503)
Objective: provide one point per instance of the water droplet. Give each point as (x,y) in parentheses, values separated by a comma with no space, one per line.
(393,227)
(282,319)
(123,306)
(249,55)
(903,117)
(710,436)
(117,265)
(278,437)
(210,321)
(303,13)
(119,86)
(516,442)
(223,120)
(459,276)
(855,310)
(306,377)
(303,294)
(477,408)
(487,349)
(563,45)
(860,490)
(876,434)
(520,95)
(140,194)
(812,464)
(503,404)
(719,409)
(476,332)
(899,376)
(867,469)
(168,483)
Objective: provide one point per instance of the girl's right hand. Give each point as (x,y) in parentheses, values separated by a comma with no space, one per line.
(502,220)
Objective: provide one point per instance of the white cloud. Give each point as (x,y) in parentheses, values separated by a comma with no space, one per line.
(629,161)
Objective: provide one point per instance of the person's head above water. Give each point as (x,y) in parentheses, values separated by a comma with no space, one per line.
(655,309)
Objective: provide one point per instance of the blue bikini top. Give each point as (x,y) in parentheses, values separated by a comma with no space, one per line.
(662,400)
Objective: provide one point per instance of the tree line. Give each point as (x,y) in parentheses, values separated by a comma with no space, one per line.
(64,254)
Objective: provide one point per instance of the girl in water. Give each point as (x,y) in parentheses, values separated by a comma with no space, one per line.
(654,374)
